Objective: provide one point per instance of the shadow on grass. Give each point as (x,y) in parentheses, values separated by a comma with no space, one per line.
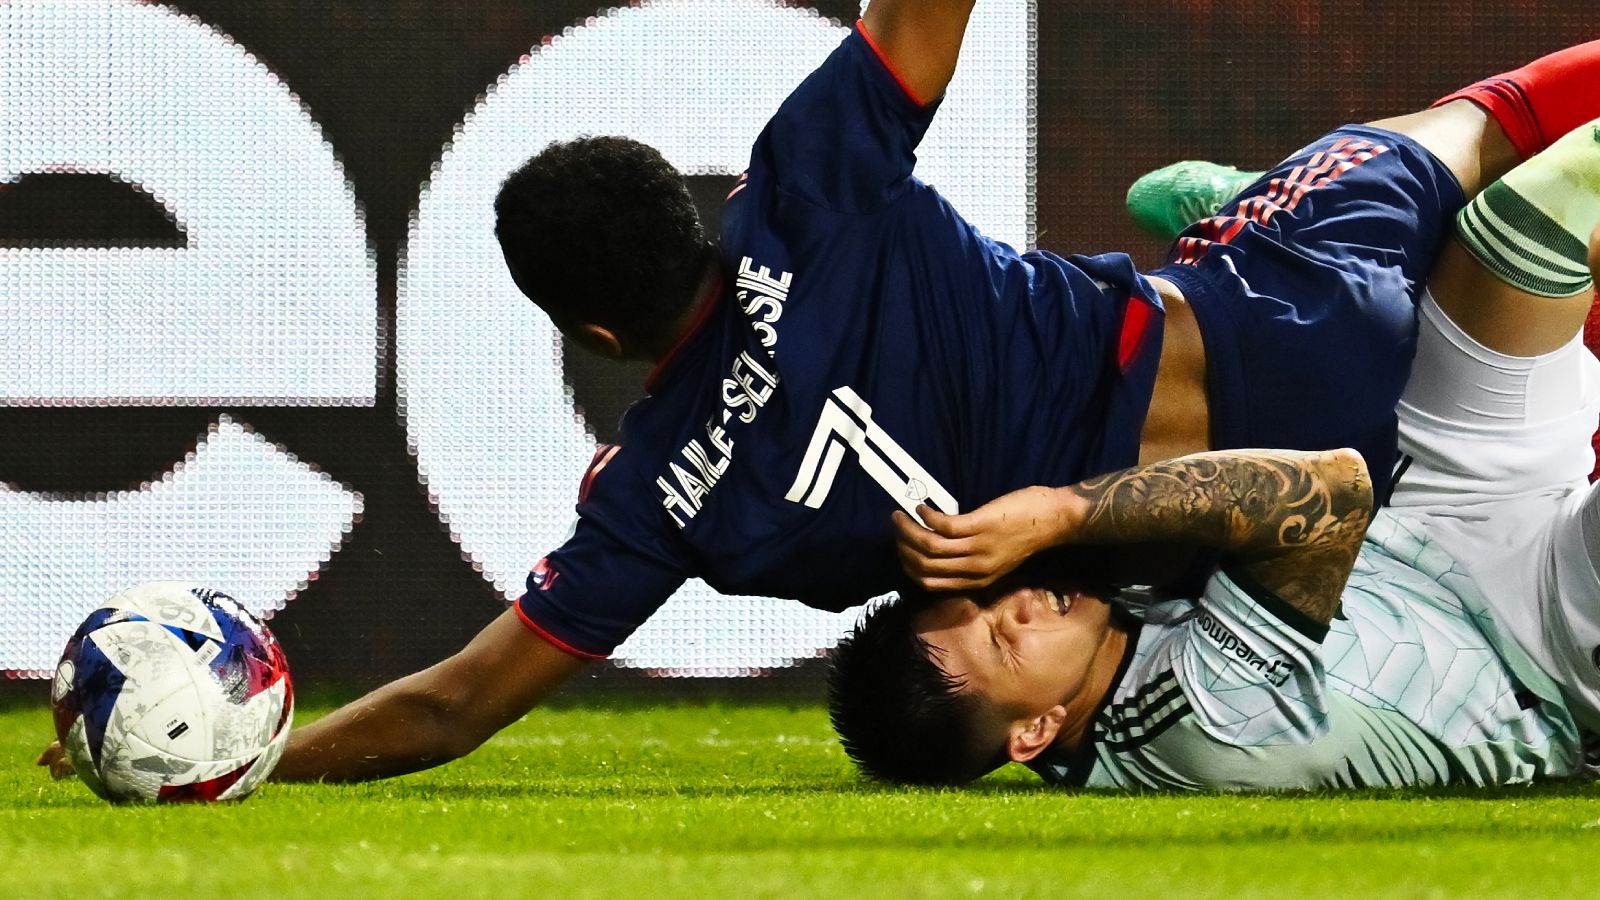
(17,695)
(317,699)
(622,785)
(927,821)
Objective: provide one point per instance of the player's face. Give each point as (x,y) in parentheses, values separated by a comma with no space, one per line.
(1025,652)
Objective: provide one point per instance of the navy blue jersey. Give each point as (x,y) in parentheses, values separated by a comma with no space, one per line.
(867,349)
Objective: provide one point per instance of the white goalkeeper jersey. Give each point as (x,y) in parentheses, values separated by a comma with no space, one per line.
(1409,685)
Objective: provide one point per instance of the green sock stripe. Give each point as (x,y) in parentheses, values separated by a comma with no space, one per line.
(1521,245)
(1532,254)
(1512,272)
(1534,226)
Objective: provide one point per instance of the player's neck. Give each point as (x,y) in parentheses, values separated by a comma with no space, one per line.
(705,297)
(1085,704)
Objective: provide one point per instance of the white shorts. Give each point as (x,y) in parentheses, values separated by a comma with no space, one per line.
(1495,457)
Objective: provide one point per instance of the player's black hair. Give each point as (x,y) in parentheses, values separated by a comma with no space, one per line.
(603,231)
(901,717)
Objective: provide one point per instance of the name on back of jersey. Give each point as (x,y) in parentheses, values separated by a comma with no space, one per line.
(700,464)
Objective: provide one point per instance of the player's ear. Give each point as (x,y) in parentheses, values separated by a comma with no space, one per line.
(1029,737)
(597,339)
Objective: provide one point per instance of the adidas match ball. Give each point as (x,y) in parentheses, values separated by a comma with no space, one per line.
(172,692)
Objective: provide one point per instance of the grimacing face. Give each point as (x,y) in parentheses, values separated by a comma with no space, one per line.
(1025,653)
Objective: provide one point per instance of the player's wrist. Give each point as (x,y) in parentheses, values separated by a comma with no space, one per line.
(1063,516)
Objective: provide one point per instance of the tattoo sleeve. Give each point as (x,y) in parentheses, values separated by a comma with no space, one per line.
(1293,520)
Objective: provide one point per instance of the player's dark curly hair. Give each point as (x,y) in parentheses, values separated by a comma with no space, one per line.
(900,717)
(603,231)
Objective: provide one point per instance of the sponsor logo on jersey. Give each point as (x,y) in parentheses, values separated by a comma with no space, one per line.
(542,576)
(1276,670)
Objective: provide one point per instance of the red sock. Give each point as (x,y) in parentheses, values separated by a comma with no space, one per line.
(1542,100)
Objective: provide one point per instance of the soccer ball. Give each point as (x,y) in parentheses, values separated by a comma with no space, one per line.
(172,692)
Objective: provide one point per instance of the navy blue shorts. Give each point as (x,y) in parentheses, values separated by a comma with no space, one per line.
(1305,289)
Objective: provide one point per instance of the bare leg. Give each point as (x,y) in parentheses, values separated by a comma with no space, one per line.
(1462,136)
(1502,317)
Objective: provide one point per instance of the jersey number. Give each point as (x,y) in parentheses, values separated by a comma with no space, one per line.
(846,423)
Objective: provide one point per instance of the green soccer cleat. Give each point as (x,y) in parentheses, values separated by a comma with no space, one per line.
(1165,202)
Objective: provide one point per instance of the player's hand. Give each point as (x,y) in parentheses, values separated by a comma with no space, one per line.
(55,759)
(972,551)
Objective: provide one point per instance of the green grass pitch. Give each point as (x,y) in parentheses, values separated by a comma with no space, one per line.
(749,801)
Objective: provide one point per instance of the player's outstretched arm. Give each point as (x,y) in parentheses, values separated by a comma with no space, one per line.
(921,39)
(1292,520)
(434,716)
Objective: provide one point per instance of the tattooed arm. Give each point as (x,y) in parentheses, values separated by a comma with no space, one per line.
(1292,520)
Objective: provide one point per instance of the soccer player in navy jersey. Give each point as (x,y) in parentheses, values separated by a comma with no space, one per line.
(850,346)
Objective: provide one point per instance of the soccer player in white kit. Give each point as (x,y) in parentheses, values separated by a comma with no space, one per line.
(1466,644)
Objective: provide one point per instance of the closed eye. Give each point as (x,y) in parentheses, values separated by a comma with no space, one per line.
(1002,650)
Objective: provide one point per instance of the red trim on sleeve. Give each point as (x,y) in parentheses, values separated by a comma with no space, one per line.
(558,643)
(1135,322)
(601,457)
(888,66)
(707,301)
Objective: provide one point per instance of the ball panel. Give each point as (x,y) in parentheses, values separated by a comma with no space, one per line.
(263,766)
(287,716)
(154,666)
(76,742)
(204,791)
(64,708)
(204,780)
(97,682)
(133,768)
(241,728)
(178,725)
(253,661)
(135,772)
(83,659)
(175,603)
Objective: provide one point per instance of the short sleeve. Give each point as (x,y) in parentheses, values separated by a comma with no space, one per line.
(615,571)
(1251,666)
(845,139)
